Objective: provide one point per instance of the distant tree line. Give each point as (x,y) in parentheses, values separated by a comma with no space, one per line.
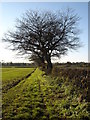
(10,64)
(78,64)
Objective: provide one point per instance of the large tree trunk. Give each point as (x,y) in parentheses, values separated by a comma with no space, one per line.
(49,64)
(43,63)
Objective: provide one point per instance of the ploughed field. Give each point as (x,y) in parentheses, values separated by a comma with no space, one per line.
(30,94)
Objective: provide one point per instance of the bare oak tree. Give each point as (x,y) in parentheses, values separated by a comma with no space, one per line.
(45,34)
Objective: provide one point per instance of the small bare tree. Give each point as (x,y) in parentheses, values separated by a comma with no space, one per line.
(45,34)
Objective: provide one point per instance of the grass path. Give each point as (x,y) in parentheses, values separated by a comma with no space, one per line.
(41,97)
(28,99)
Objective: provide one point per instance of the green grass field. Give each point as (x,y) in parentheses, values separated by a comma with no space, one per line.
(11,76)
(29,94)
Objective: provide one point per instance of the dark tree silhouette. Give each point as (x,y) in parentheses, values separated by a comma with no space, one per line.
(37,60)
(45,34)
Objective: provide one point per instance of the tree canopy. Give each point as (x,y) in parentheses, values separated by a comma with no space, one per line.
(45,34)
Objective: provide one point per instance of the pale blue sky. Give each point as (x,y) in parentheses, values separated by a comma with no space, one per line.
(11,11)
